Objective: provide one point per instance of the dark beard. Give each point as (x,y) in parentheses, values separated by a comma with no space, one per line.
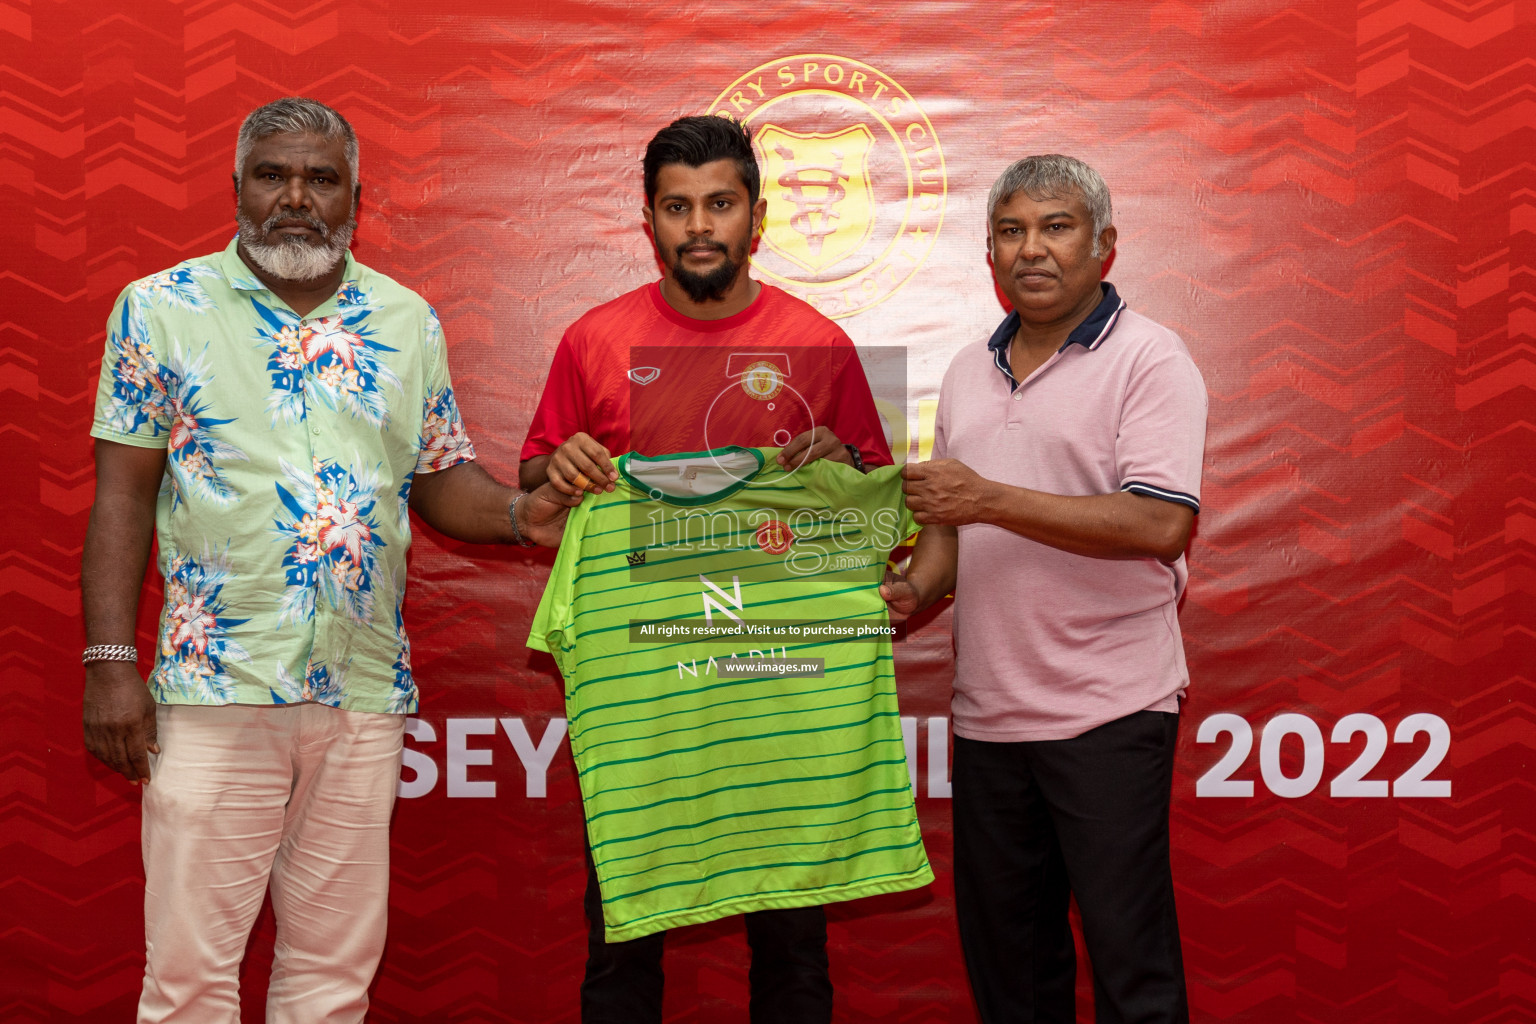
(710,287)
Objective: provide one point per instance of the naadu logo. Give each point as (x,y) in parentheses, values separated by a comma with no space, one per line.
(853,175)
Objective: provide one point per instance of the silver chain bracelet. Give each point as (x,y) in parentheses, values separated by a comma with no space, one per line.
(512,515)
(109,652)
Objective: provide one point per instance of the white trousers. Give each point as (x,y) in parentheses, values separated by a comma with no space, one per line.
(297,797)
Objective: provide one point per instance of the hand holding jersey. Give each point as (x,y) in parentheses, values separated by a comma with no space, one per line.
(816,443)
(581,464)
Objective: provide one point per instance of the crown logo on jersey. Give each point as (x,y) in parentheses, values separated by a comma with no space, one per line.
(636,558)
(643,375)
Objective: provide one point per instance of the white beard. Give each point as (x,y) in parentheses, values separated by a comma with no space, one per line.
(294,259)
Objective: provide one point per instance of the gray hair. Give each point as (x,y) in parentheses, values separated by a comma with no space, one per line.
(297,115)
(1054,175)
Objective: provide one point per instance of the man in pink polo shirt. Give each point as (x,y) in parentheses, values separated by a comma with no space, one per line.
(1065,482)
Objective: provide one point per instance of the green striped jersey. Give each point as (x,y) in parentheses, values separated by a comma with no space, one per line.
(709,791)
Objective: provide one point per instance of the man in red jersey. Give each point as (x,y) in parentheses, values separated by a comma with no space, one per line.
(705,357)
(708,324)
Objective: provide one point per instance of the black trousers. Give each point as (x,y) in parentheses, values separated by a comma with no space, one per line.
(789,980)
(1039,822)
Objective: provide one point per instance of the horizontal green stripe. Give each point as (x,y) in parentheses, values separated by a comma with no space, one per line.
(796,827)
(764,867)
(630,651)
(587,592)
(689,593)
(759,562)
(682,596)
(593,797)
(644,739)
(571,694)
(698,602)
(827,841)
(689,798)
(814,686)
(829,646)
(716,539)
(862,881)
(906,789)
(736,740)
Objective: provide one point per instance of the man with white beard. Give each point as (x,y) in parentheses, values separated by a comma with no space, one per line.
(269,413)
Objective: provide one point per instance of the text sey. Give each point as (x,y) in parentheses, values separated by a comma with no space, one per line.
(535,757)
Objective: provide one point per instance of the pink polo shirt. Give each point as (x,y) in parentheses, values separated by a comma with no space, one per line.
(1051,644)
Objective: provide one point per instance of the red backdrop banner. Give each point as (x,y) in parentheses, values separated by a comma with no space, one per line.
(1335,206)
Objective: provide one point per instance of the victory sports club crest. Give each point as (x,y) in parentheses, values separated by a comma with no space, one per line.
(853,175)
(763,380)
(824,177)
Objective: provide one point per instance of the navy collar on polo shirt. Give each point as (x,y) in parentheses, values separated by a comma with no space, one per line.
(1089,334)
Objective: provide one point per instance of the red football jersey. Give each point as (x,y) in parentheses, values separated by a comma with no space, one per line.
(637,375)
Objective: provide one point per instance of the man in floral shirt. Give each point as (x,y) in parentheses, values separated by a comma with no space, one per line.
(270,413)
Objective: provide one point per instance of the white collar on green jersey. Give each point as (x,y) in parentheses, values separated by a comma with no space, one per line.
(692,478)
